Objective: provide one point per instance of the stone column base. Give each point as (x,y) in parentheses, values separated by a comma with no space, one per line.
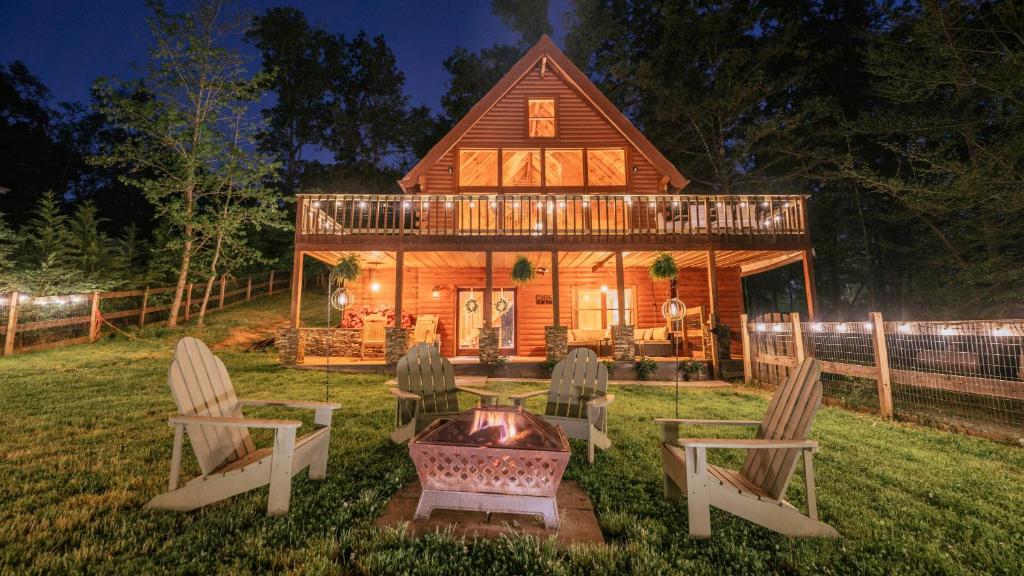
(623,344)
(489,346)
(556,342)
(396,344)
(290,346)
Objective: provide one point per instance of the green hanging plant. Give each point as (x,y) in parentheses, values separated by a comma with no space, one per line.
(664,267)
(523,271)
(347,269)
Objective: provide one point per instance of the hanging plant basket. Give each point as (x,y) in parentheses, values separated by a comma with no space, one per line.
(523,271)
(347,269)
(664,267)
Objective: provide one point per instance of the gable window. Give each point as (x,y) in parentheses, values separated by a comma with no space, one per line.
(478,167)
(606,167)
(563,167)
(541,117)
(520,168)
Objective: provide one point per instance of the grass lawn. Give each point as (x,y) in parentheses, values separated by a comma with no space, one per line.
(84,444)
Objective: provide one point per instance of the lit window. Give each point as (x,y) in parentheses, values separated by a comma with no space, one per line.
(563,167)
(478,167)
(541,114)
(606,167)
(520,168)
(597,309)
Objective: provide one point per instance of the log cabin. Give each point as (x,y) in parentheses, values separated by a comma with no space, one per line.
(544,167)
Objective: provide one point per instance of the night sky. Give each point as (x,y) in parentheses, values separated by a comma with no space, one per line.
(68,44)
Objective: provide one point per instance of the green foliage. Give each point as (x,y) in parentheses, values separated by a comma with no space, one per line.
(611,366)
(9,242)
(528,18)
(88,248)
(347,269)
(644,367)
(522,271)
(45,234)
(548,366)
(664,267)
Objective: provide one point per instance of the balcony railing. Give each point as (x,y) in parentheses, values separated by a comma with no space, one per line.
(582,217)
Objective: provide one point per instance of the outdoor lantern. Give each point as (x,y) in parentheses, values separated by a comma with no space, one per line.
(375,287)
(673,309)
(341,298)
(435,293)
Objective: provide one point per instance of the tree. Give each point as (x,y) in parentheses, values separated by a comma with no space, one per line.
(88,248)
(45,234)
(9,241)
(175,141)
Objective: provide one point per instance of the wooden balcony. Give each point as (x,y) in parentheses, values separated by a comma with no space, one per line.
(547,221)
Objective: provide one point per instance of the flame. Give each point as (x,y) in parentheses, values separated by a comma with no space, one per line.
(504,421)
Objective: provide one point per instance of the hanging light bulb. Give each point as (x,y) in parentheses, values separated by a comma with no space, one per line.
(673,309)
(341,299)
(604,288)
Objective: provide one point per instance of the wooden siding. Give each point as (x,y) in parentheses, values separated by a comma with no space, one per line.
(579,125)
(532,318)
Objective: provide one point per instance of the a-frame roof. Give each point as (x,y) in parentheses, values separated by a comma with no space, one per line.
(577,80)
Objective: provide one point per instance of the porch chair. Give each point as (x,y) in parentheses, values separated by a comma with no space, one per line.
(755,492)
(578,399)
(219,434)
(425,331)
(373,334)
(426,391)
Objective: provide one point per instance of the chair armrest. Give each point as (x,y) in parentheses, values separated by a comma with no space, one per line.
(746,443)
(698,422)
(403,395)
(526,395)
(302,404)
(601,401)
(230,422)
(477,392)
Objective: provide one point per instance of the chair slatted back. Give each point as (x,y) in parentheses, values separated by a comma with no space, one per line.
(579,377)
(373,328)
(789,417)
(201,386)
(425,372)
(426,329)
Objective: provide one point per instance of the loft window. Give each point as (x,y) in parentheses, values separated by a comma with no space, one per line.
(520,168)
(563,167)
(606,167)
(541,113)
(478,168)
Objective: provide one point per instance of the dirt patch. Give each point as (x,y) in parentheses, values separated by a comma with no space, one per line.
(244,337)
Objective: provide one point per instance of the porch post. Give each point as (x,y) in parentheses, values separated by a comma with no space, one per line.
(288,341)
(396,339)
(296,309)
(810,289)
(488,346)
(555,306)
(623,343)
(556,336)
(713,313)
(488,287)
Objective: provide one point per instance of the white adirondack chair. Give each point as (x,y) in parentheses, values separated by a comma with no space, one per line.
(757,491)
(425,331)
(426,391)
(230,463)
(578,399)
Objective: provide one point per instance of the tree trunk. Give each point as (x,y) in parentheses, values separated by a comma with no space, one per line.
(179,288)
(206,299)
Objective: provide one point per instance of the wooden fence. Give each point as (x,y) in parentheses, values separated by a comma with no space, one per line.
(36,323)
(968,373)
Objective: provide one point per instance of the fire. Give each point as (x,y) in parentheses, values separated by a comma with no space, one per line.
(504,421)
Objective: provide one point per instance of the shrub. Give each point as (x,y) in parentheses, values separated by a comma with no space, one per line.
(610,365)
(645,367)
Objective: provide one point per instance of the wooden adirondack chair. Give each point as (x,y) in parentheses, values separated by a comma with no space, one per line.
(757,491)
(230,463)
(426,391)
(425,331)
(578,399)
(374,337)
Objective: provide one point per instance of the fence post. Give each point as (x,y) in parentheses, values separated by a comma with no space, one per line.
(142,310)
(748,354)
(223,281)
(188,301)
(270,284)
(12,324)
(248,290)
(882,363)
(94,316)
(798,338)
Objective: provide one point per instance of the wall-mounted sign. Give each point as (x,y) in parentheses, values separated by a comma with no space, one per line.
(543,299)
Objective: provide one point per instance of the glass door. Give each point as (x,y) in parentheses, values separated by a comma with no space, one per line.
(470,314)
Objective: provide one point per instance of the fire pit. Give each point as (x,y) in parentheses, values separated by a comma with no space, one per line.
(491,459)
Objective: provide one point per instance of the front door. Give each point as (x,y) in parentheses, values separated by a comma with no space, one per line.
(470,312)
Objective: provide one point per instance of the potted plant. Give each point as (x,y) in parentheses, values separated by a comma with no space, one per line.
(610,365)
(645,367)
(689,368)
(522,271)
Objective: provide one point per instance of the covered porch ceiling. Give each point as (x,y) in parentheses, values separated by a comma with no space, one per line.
(748,261)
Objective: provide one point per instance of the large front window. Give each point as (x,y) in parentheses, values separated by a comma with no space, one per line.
(598,308)
(478,168)
(606,167)
(520,168)
(563,167)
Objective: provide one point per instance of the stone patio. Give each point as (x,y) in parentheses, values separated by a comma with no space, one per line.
(578,522)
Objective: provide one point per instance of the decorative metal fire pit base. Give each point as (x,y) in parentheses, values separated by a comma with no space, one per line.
(491,459)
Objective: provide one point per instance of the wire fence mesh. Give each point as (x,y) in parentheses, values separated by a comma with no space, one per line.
(35,322)
(964,375)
